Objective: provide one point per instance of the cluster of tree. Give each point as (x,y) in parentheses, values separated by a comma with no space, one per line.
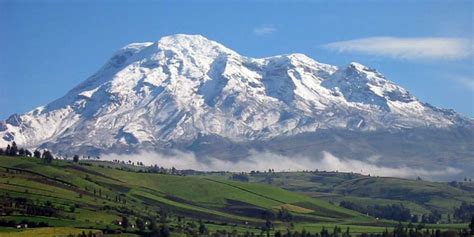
(146,226)
(155,169)
(400,231)
(392,212)
(284,215)
(29,224)
(129,162)
(157,224)
(418,231)
(242,177)
(336,232)
(465,212)
(47,156)
(397,212)
(194,229)
(432,218)
(13,150)
(162,170)
(89,234)
(23,206)
(270,171)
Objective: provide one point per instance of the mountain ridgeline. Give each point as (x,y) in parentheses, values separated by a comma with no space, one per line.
(189,93)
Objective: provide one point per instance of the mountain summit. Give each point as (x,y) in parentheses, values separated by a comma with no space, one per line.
(175,91)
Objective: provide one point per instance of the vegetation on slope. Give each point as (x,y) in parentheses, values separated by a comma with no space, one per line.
(113,197)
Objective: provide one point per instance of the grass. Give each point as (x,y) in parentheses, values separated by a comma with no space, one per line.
(421,197)
(49,231)
(93,191)
(94,195)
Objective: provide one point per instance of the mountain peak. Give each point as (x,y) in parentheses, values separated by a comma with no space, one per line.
(183,38)
(192,43)
(357,66)
(174,89)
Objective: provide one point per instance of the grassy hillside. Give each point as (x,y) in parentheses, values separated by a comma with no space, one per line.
(67,198)
(421,197)
(94,195)
(50,231)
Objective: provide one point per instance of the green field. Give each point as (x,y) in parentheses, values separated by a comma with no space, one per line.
(47,231)
(95,196)
(421,197)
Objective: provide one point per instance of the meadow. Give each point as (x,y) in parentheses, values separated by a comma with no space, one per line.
(66,197)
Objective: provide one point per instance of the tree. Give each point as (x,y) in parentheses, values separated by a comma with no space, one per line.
(48,157)
(284,215)
(202,228)
(268,225)
(75,158)
(464,212)
(140,224)
(1,152)
(324,232)
(336,231)
(347,233)
(471,226)
(242,177)
(37,154)
(125,222)
(153,227)
(164,231)
(393,212)
(72,208)
(13,149)
(7,150)
(21,152)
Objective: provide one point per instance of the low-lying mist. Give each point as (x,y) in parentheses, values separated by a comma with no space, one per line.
(266,160)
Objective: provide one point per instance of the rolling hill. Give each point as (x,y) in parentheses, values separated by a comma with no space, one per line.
(421,197)
(98,194)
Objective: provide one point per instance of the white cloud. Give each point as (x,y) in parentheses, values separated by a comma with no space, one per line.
(464,81)
(264,30)
(407,48)
(266,160)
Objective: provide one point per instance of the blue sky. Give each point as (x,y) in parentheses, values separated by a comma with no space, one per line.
(48,47)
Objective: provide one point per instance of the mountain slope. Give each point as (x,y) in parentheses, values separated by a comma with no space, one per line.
(182,88)
(147,192)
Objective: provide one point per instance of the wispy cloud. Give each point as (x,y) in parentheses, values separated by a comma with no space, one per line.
(464,81)
(264,30)
(431,48)
(266,160)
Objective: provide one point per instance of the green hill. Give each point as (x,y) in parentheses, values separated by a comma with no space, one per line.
(421,197)
(97,195)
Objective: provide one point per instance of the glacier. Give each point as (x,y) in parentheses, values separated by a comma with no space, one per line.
(183,88)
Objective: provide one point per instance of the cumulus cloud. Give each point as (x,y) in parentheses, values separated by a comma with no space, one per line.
(434,48)
(264,30)
(266,160)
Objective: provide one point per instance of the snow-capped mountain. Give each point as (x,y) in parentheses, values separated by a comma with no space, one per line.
(184,87)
